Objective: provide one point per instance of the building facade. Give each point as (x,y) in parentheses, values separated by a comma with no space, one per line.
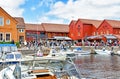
(83,28)
(11,28)
(21,37)
(45,31)
(8,30)
(55,29)
(34,32)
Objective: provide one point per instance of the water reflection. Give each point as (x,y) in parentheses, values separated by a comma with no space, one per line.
(99,66)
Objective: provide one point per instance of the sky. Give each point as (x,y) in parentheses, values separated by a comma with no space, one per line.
(61,11)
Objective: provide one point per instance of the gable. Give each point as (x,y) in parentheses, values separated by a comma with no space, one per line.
(105,28)
(20,22)
(95,23)
(4,14)
(114,23)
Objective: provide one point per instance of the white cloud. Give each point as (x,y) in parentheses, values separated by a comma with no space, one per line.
(89,9)
(33,8)
(13,7)
(105,2)
(46,19)
(46,2)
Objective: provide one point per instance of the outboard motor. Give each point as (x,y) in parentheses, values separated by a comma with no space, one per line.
(17,72)
(112,52)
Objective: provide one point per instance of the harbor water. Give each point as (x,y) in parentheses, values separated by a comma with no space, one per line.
(98,66)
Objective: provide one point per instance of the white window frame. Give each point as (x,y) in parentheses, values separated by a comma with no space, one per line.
(8,21)
(2,37)
(2,21)
(6,37)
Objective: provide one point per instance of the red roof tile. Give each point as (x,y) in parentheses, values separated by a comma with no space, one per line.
(20,21)
(96,23)
(34,27)
(49,27)
(114,23)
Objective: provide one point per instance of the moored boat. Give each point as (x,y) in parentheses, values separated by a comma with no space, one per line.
(80,51)
(103,51)
(15,72)
(9,54)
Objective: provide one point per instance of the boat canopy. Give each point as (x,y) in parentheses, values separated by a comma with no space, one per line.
(2,45)
(8,48)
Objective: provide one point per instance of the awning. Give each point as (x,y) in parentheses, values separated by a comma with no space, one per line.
(110,36)
(94,37)
(62,38)
(118,36)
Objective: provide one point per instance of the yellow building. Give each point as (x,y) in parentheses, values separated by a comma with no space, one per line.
(10,28)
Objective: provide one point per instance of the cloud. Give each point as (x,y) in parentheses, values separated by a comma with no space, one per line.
(46,19)
(48,3)
(105,2)
(13,7)
(90,9)
(33,8)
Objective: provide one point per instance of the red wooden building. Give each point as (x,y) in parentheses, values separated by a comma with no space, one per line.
(82,28)
(109,27)
(55,29)
(34,32)
(45,31)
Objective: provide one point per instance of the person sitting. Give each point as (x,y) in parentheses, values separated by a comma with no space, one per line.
(39,53)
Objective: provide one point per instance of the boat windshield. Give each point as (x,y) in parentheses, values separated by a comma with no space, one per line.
(0,52)
(13,48)
(0,49)
(18,56)
(6,49)
(9,56)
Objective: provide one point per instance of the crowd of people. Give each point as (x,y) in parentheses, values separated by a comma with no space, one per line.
(68,43)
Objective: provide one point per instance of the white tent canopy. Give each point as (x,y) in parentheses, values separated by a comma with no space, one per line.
(61,38)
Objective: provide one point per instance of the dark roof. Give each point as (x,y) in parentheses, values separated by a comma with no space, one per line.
(49,27)
(34,27)
(114,23)
(96,23)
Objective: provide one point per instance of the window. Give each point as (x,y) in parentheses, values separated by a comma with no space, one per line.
(107,32)
(7,21)
(21,30)
(1,21)
(93,33)
(79,28)
(7,36)
(101,33)
(1,36)
(78,33)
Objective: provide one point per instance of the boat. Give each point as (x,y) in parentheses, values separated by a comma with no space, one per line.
(52,55)
(103,51)
(118,52)
(15,72)
(9,54)
(79,51)
(57,70)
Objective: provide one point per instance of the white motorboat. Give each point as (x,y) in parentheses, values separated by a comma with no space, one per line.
(15,72)
(52,55)
(118,53)
(9,54)
(80,51)
(67,52)
(35,70)
(103,51)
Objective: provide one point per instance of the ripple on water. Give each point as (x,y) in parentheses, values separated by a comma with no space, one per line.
(99,67)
